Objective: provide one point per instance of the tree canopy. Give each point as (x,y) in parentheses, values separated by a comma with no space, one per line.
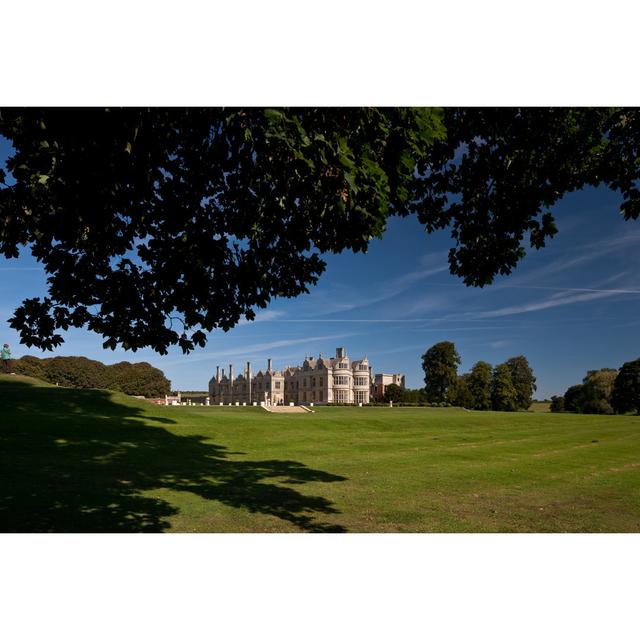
(594,395)
(479,384)
(626,388)
(523,380)
(574,398)
(135,379)
(157,225)
(504,395)
(440,365)
(393,393)
(460,394)
(597,390)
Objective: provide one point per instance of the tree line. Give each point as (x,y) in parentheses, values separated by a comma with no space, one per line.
(134,379)
(603,391)
(506,387)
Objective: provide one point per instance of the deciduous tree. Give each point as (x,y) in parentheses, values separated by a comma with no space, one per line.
(626,389)
(440,366)
(557,404)
(504,396)
(597,388)
(574,398)
(523,380)
(156,226)
(461,395)
(393,393)
(136,379)
(479,383)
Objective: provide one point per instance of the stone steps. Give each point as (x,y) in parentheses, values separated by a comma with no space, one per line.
(285,409)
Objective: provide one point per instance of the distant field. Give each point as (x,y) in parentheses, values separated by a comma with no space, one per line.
(540,407)
(74,460)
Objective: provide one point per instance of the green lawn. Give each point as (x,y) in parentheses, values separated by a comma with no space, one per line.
(99,461)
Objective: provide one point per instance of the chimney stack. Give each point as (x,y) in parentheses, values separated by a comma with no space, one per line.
(249,379)
(340,352)
(217,374)
(269,365)
(231,373)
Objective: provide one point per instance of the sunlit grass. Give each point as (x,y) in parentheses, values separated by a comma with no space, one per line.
(99,461)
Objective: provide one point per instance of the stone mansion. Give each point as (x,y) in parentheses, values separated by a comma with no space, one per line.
(318,380)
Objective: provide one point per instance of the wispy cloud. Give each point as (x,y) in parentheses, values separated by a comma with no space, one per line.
(536,306)
(581,256)
(412,347)
(449,328)
(252,349)
(321,320)
(403,282)
(341,298)
(263,316)
(565,289)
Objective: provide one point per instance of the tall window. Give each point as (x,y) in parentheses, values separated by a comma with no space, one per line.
(341,380)
(360,381)
(277,385)
(361,396)
(343,365)
(341,395)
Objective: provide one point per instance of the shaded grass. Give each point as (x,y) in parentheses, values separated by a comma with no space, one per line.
(100,461)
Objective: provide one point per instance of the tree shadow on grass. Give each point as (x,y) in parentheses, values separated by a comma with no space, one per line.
(75,461)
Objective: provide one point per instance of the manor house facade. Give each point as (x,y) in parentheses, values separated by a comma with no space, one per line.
(318,380)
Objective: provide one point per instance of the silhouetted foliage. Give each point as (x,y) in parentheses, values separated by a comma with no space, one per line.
(156,225)
(574,398)
(557,404)
(626,389)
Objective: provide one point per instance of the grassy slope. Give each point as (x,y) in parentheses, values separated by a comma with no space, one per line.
(75,460)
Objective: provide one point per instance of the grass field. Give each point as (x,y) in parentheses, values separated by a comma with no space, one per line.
(93,460)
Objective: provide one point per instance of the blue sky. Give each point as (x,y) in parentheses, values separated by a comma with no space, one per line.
(572,306)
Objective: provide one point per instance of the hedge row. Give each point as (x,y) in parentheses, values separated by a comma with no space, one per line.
(134,379)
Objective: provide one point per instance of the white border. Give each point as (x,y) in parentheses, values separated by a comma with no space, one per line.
(334,52)
(344,52)
(284,586)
